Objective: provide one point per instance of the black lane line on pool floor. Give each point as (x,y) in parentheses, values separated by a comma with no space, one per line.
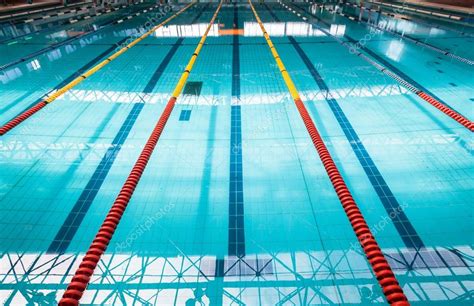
(393,208)
(61,43)
(73,221)
(236,239)
(236,188)
(381,60)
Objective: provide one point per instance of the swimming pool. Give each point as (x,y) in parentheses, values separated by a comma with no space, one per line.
(234,205)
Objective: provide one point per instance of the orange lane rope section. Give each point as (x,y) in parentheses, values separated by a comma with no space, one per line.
(385,276)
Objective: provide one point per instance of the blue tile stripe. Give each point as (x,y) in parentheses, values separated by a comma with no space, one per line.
(76,216)
(219,270)
(70,226)
(74,219)
(393,208)
(404,227)
(236,188)
(185,115)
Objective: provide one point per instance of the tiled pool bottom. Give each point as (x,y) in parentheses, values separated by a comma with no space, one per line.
(234,207)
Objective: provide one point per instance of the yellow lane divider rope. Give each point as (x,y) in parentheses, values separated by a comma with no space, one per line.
(384,274)
(50,98)
(84,272)
(99,66)
(289,83)
(189,66)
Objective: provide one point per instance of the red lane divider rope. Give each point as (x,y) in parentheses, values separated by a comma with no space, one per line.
(22,117)
(440,106)
(81,279)
(83,274)
(448,111)
(384,274)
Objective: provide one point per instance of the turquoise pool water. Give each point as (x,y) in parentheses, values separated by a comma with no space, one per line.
(235,207)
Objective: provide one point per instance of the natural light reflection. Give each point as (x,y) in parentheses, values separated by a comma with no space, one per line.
(278,278)
(102,96)
(411,28)
(314,9)
(70,49)
(395,50)
(54,54)
(337,29)
(280,29)
(17,151)
(59,34)
(10,75)
(401,26)
(191,30)
(89,39)
(128,32)
(33,65)
(251,29)
(436,32)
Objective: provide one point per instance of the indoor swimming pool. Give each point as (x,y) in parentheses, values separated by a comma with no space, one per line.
(236,201)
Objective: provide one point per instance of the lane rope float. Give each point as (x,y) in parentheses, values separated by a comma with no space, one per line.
(83,274)
(28,113)
(384,274)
